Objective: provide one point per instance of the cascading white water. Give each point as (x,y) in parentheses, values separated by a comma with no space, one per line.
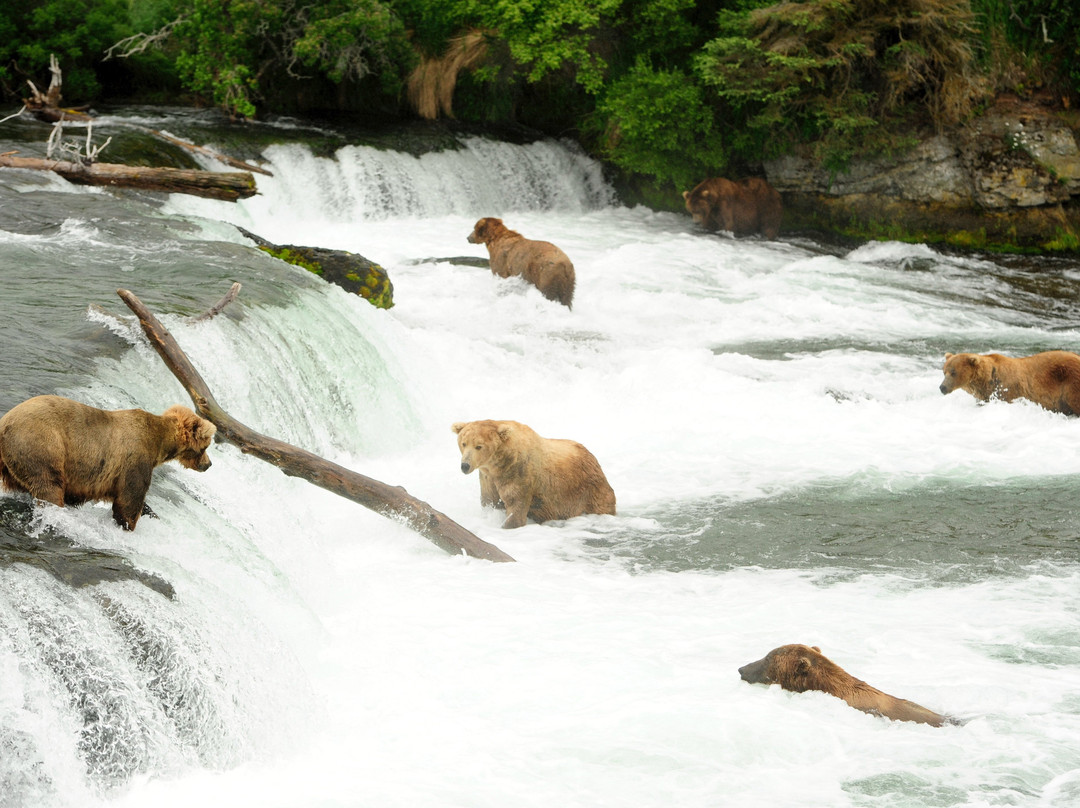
(786,471)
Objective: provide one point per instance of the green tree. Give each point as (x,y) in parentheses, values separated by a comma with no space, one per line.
(76,31)
(228,48)
(657,123)
(832,71)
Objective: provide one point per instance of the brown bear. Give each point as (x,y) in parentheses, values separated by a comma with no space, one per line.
(531,476)
(745,207)
(541,263)
(802,667)
(1051,379)
(67,453)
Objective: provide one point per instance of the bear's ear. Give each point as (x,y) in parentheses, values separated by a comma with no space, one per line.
(685,194)
(505,431)
(814,647)
(948,356)
(974,360)
(205,432)
(457,426)
(803,666)
(191,430)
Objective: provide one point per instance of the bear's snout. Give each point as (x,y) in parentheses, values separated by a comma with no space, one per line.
(204,463)
(944,390)
(472,239)
(754,672)
(465,467)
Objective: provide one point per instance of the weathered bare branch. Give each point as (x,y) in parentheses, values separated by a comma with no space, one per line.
(137,43)
(224,158)
(215,310)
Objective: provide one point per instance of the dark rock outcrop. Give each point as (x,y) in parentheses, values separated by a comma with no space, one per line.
(1008,178)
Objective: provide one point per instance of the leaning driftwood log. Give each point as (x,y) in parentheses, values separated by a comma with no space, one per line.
(224,158)
(228,185)
(388,500)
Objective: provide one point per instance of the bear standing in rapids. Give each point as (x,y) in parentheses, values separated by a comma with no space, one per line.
(1051,379)
(67,453)
(541,478)
(541,263)
(744,207)
(802,667)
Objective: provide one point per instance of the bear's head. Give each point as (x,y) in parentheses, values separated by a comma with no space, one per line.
(794,667)
(193,436)
(479,442)
(699,203)
(960,371)
(486,230)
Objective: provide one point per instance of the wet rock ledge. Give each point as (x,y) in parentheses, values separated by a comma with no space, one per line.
(1008,179)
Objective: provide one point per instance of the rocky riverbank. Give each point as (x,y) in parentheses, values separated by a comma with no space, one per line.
(1008,179)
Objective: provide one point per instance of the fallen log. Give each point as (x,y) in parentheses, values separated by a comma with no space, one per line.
(228,186)
(387,500)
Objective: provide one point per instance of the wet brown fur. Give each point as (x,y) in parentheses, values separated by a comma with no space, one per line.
(1051,379)
(541,263)
(531,476)
(67,453)
(745,207)
(802,667)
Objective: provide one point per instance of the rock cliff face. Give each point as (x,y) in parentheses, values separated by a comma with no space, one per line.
(1009,178)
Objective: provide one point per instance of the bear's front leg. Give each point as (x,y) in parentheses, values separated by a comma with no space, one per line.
(517,501)
(489,493)
(130,496)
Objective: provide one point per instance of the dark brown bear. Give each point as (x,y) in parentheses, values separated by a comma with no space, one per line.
(541,263)
(743,208)
(802,667)
(1051,379)
(67,453)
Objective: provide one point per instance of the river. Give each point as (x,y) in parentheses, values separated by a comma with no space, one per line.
(767,412)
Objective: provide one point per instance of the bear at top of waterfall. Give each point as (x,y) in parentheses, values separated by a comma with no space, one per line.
(531,476)
(799,668)
(540,263)
(745,207)
(67,453)
(1051,379)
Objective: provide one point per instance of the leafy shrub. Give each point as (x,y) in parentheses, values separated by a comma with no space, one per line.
(657,123)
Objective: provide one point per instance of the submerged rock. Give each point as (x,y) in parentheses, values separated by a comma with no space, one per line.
(353,273)
(62,558)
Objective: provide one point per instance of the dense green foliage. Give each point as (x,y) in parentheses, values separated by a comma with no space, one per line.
(834,72)
(77,31)
(669,90)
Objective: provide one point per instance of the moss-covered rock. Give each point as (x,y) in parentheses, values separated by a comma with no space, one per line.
(353,273)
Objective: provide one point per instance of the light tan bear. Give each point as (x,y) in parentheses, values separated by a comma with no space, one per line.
(67,453)
(541,263)
(531,476)
(802,667)
(1051,379)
